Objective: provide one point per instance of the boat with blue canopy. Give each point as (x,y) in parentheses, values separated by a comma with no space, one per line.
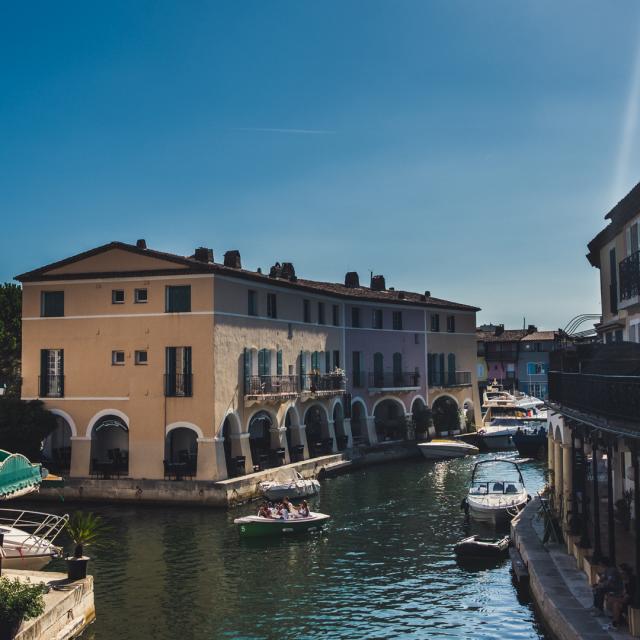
(18,475)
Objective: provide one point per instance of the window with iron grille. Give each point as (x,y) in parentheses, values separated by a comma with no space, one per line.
(435,322)
(117,357)
(140,296)
(117,296)
(272,311)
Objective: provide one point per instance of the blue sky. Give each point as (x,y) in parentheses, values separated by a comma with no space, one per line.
(467,148)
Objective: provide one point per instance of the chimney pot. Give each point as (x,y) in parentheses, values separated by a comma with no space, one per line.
(141,244)
(203,254)
(427,294)
(232,259)
(378,283)
(288,271)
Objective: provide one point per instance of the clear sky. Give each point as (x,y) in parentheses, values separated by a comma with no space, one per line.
(468,148)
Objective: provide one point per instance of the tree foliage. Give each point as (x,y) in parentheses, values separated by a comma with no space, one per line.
(10,338)
(24,425)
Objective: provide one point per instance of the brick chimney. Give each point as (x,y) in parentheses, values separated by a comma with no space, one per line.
(203,254)
(232,259)
(378,283)
(351,279)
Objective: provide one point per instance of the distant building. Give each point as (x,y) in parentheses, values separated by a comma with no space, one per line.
(498,350)
(533,362)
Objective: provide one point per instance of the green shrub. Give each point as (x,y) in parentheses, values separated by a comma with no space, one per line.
(20,601)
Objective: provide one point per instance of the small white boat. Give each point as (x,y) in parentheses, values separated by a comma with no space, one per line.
(442,449)
(497,492)
(257,526)
(28,538)
(289,484)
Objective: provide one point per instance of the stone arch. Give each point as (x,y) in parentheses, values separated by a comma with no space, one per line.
(295,436)
(110,443)
(316,420)
(390,419)
(68,418)
(230,431)
(342,439)
(56,447)
(446,415)
(185,425)
(421,417)
(417,398)
(259,426)
(359,421)
(106,412)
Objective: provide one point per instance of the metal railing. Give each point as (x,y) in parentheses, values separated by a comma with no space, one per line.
(178,385)
(449,378)
(51,386)
(612,396)
(322,382)
(270,385)
(629,270)
(394,379)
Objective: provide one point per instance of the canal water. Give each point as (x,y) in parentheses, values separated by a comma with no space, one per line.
(384,568)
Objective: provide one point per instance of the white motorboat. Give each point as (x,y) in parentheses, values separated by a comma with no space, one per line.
(497,492)
(28,538)
(443,449)
(289,484)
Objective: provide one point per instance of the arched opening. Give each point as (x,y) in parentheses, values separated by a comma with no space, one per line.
(390,420)
(421,416)
(317,431)
(234,460)
(181,453)
(358,423)
(342,439)
(445,414)
(56,448)
(294,441)
(260,439)
(110,447)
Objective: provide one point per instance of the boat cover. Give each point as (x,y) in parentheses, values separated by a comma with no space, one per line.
(18,476)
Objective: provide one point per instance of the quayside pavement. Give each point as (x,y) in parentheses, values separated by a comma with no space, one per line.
(559,589)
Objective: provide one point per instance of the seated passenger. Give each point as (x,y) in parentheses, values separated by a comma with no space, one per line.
(498,487)
(511,488)
(264,511)
(303,511)
(283,512)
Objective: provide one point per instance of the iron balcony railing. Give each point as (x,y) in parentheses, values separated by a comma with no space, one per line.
(449,378)
(629,270)
(51,386)
(314,382)
(178,385)
(270,385)
(394,379)
(611,396)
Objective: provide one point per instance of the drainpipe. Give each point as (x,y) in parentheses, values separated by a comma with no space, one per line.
(610,514)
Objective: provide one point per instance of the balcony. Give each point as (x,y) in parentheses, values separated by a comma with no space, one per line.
(394,381)
(450,379)
(265,388)
(629,270)
(600,380)
(178,385)
(323,384)
(51,386)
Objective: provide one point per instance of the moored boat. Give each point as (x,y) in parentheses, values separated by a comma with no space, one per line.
(289,484)
(497,492)
(478,547)
(443,449)
(258,526)
(18,476)
(531,443)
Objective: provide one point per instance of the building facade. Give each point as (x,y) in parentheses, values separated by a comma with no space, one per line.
(533,362)
(158,364)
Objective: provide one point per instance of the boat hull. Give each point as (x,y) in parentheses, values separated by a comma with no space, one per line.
(476,547)
(254,527)
(495,514)
(530,446)
(443,451)
(495,442)
(27,562)
(291,491)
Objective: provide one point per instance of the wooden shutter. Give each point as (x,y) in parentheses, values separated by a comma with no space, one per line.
(44,372)
(279,362)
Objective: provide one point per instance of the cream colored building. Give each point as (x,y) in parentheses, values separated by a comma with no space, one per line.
(162,365)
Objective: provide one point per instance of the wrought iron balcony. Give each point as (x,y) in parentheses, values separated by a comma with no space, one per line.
(271,385)
(394,380)
(450,379)
(178,385)
(323,383)
(629,270)
(51,386)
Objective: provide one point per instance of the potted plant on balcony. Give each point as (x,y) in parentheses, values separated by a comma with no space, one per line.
(19,601)
(83,529)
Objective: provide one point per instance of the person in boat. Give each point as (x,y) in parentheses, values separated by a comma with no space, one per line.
(303,511)
(282,512)
(264,511)
(609,581)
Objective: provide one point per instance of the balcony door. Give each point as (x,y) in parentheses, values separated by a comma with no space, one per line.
(451,366)
(397,369)
(51,373)
(378,370)
(178,368)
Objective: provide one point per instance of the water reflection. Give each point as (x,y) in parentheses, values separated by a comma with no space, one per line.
(383,568)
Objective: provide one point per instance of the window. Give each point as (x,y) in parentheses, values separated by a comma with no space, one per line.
(397,320)
(416,338)
(140,296)
(321,313)
(117,357)
(378,370)
(397,368)
(336,315)
(264,363)
(435,322)
(536,368)
(451,324)
(315,362)
(52,373)
(336,359)
(178,377)
(355,317)
(272,311)
(117,296)
(52,304)
(141,357)
(377,319)
(356,365)
(178,299)
(252,303)
(306,311)
(327,361)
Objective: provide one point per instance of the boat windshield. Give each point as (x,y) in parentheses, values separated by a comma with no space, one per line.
(495,487)
(497,476)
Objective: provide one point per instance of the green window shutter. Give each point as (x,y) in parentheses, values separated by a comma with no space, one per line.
(397,364)
(327,361)
(279,362)
(170,377)
(44,372)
